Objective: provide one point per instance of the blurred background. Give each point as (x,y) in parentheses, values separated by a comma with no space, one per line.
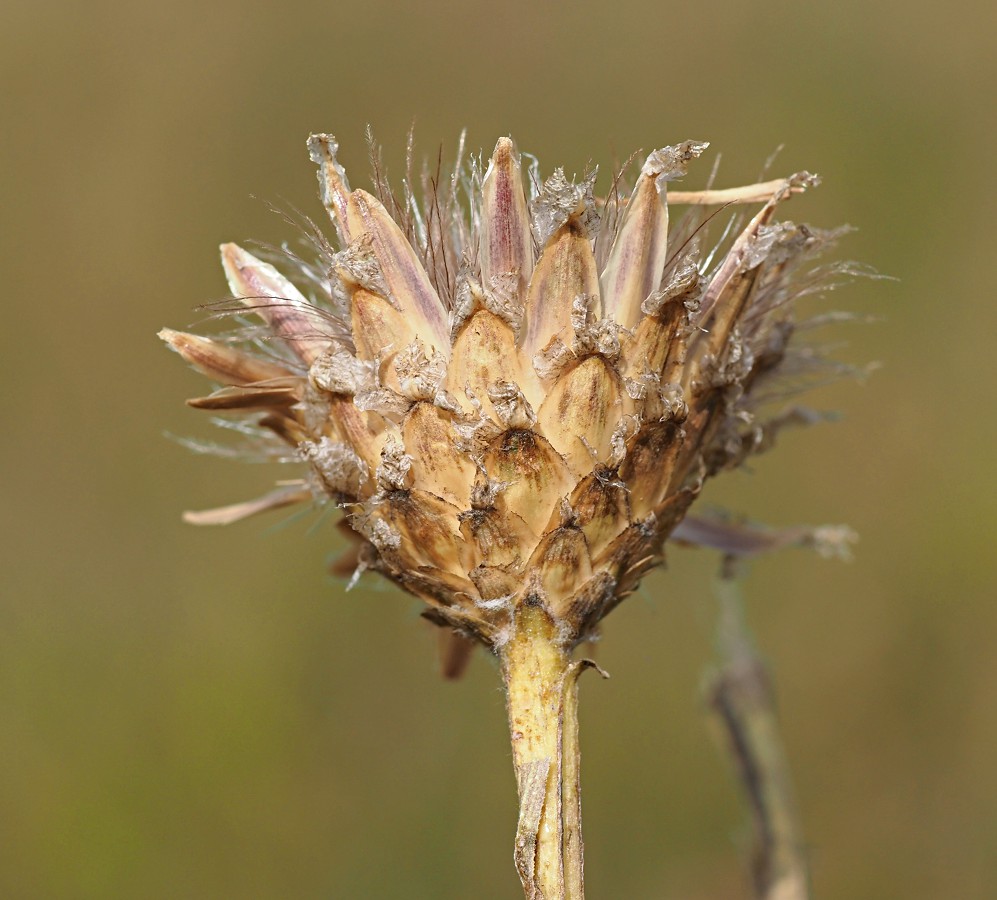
(206,714)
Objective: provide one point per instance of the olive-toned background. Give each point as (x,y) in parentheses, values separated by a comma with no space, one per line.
(206,714)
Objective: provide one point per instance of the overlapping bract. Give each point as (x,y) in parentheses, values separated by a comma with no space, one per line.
(513,400)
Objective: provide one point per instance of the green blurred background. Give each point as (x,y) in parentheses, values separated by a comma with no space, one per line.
(206,714)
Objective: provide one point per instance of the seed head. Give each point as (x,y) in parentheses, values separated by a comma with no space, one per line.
(513,390)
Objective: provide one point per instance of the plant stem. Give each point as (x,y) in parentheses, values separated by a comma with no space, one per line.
(541,685)
(742,697)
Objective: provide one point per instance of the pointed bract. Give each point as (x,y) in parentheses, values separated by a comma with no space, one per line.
(560,565)
(532,475)
(438,464)
(637,259)
(279,303)
(485,354)
(378,327)
(409,287)
(566,270)
(506,243)
(581,412)
(220,362)
(236,512)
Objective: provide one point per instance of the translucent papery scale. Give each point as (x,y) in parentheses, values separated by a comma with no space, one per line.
(539,440)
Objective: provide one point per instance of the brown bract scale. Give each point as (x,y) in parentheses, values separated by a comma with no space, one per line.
(513,392)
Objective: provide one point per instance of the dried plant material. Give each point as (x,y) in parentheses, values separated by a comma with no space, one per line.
(496,538)
(561,201)
(616,390)
(419,374)
(340,472)
(515,405)
(684,283)
(594,335)
(742,698)
(581,412)
(484,354)
(506,244)
(735,539)
(236,512)
(511,406)
(437,462)
(377,326)
(751,193)
(220,362)
(340,372)
(334,189)
(249,398)
(409,287)
(304,327)
(533,474)
(455,654)
(566,269)
(356,264)
(640,250)
(553,359)
(560,565)
(601,507)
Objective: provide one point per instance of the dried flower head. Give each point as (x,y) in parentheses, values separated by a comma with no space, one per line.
(514,390)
